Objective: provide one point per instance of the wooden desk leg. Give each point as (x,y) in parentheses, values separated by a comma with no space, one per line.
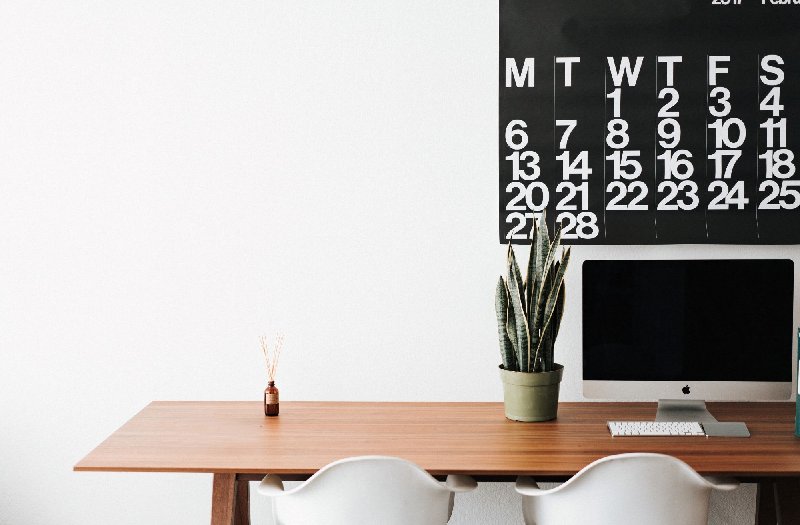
(230,501)
(778,501)
(765,503)
(787,496)
(241,516)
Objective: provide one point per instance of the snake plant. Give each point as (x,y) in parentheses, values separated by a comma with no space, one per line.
(529,310)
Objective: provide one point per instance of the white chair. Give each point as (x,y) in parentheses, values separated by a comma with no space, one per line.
(641,488)
(366,490)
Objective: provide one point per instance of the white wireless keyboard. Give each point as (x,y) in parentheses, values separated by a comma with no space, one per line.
(655,428)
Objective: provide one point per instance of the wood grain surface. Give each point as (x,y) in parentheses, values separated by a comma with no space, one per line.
(443,438)
(223,498)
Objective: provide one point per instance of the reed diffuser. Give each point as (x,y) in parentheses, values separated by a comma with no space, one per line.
(271,356)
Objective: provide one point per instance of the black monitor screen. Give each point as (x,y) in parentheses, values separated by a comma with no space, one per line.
(678,320)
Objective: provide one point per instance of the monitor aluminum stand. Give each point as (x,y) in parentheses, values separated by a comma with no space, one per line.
(695,410)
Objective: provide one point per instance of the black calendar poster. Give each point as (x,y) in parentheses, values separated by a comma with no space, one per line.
(650,122)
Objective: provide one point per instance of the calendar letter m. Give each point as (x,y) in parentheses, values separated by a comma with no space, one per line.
(519,78)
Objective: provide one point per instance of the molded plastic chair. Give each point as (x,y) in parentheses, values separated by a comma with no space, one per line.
(368,489)
(641,488)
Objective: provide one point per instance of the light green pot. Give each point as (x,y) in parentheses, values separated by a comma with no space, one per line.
(531,396)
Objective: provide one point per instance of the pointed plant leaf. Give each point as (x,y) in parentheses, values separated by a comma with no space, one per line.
(515,296)
(530,277)
(548,346)
(545,288)
(551,301)
(545,365)
(558,313)
(543,244)
(552,253)
(538,255)
(501,307)
(511,325)
(555,289)
(516,273)
(538,321)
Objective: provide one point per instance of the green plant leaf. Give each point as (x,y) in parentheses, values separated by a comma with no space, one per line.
(530,276)
(549,261)
(542,363)
(544,359)
(552,298)
(558,313)
(539,245)
(501,307)
(514,266)
(548,345)
(544,288)
(521,323)
(542,245)
(511,324)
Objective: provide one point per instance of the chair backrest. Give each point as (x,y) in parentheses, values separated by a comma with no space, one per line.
(366,489)
(642,488)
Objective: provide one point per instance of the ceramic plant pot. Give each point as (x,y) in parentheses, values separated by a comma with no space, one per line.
(531,396)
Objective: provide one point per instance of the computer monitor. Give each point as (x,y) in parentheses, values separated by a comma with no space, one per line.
(688,329)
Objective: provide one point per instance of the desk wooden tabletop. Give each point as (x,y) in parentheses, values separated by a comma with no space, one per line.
(443,438)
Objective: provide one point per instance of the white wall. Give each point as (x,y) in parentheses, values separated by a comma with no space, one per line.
(178,177)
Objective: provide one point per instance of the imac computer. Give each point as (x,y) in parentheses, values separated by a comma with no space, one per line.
(717,330)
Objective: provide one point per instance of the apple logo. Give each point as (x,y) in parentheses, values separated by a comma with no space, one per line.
(685,389)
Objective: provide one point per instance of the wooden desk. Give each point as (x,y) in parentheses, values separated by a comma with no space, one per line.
(236,443)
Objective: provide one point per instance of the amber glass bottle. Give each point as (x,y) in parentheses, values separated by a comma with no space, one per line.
(271,399)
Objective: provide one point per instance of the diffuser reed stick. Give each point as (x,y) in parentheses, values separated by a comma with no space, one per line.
(271,354)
